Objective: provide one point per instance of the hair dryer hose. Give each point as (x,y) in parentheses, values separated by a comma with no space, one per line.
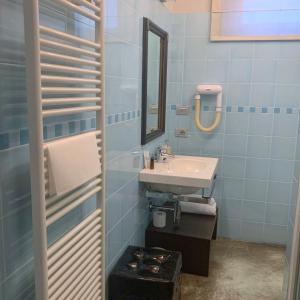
(198,124)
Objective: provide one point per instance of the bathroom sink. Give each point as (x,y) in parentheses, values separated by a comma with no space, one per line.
(181,174)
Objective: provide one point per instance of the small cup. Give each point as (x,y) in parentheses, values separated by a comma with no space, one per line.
(159,219)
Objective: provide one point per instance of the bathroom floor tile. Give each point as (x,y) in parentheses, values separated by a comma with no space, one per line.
(238,271)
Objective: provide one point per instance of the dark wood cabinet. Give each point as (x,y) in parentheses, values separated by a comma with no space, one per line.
(192,238)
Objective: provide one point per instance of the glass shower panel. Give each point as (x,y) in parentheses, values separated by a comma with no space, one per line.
(16,272)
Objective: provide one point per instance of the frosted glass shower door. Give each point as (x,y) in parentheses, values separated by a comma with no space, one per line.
(294,268)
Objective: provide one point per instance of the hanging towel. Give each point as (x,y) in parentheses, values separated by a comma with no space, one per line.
(72,162)
(199,208)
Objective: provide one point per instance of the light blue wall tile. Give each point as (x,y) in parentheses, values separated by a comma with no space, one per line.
(217,51)
(114,238)
(197,24)
(283,148)
(253,211)
(176,48)
(236,123)
(190,145)
(20,285)
(113,61)
(285,125)
(277,214)
(240,70)
(231,208)
(275,234)
(174,93)
(195,48)
(212,144)
(264,70)
(238,94)
(129,225)
(17,239)
(188,94)
(233,188)
(279,192)
(257,168)
(233,167)
(259,146)
(262,94)
(175,72)
(230,228)
(235,145)
(281,170)
(15,174)
(287,95)
(119,141)
(216,71)
(131,196)
(288,72)
(266,50)
(241,50)
(124,91)
(194,72)
(289,50)
(252,232)
(255,190)
(121,171)
(114,209)
(260,124)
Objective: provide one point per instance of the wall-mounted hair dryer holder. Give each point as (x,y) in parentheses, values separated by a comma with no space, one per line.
(208,90)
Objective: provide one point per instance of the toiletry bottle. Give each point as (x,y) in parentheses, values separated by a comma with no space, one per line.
(169,149)
(146,160)
(152,163)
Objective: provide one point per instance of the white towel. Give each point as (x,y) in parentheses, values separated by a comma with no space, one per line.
(72,162)
(199,208)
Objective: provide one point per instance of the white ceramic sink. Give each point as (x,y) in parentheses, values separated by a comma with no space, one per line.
(181,174)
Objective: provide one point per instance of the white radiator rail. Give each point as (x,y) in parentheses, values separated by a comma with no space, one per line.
(64,101)
(65,77)
(55,247)
(67,48)
(78,9)
(87,4)
(74,80)
(60,90)
(68,37)
(68,58)
(69,111)
(65,69)
(56,203)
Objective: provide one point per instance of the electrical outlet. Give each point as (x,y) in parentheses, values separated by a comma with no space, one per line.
(182,110)
(181,132)
(153,109)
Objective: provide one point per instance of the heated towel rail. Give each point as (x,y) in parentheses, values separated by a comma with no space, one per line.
(65,77)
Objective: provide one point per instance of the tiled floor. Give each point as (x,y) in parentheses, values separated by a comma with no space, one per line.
(238,270)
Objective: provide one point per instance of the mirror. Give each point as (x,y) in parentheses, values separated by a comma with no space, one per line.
(155,57)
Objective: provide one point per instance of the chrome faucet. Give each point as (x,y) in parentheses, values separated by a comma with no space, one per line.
(161,154)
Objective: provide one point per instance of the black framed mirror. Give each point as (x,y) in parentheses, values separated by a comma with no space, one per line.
(154,81)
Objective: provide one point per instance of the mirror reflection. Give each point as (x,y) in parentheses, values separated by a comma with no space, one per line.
(153,82)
